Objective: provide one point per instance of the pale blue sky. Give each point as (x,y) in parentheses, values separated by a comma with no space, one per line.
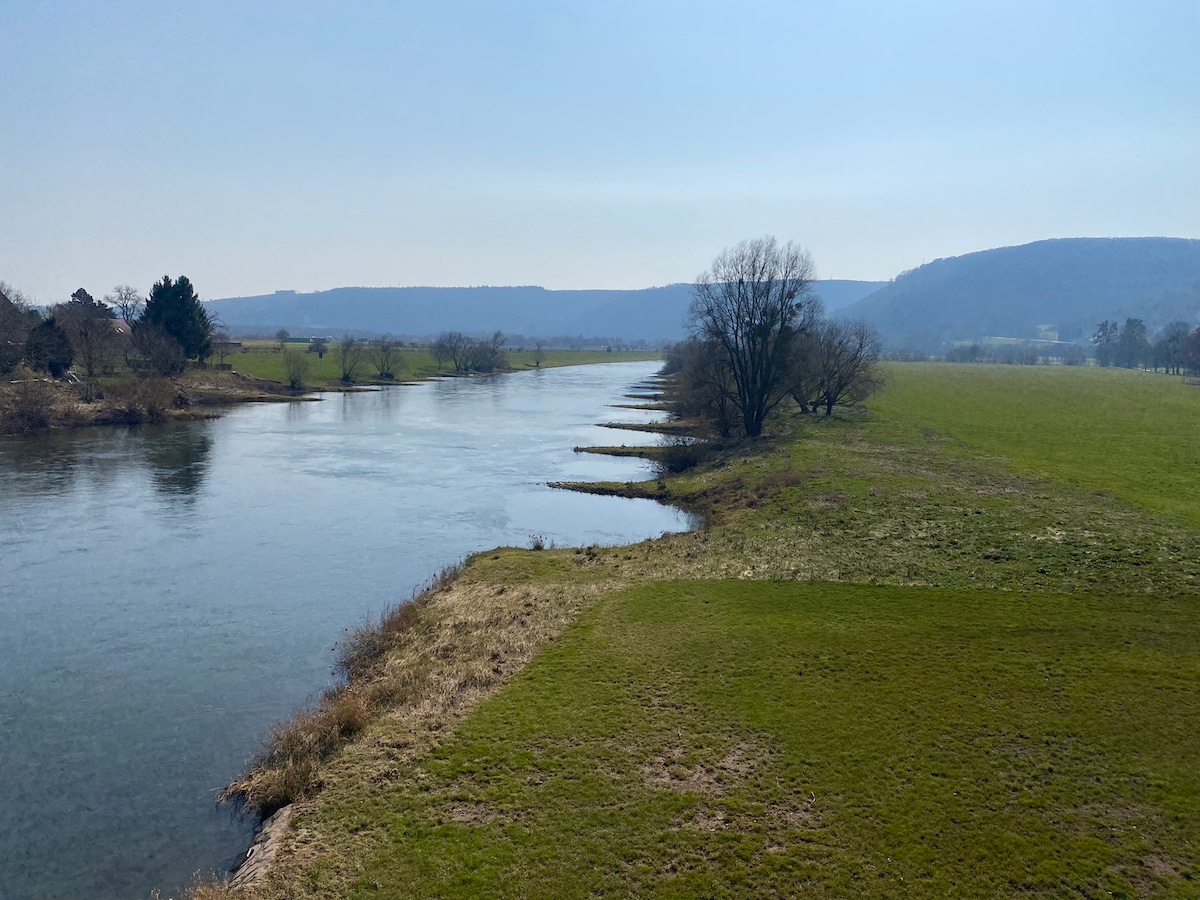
(308,145)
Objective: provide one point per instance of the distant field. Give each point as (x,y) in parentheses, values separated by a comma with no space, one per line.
(262,360)
(1132,434)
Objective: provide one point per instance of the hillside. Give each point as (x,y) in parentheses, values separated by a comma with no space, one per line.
(651,314)
(1070,283)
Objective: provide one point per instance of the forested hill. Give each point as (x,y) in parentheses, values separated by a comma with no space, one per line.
(651,314)
(1069,283)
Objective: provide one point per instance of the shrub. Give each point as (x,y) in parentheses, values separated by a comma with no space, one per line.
(31,406)
(680,453)
(145,400)
(295,365)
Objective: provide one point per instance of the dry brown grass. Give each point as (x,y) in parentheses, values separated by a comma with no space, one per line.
(413,675)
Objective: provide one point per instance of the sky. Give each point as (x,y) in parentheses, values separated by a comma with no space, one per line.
(309,145)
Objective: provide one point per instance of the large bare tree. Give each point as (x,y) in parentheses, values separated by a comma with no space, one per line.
(749,306)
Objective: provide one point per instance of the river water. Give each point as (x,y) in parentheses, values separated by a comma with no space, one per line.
(166,593)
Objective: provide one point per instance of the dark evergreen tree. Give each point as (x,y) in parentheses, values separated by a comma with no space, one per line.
(174,307)
(48,349)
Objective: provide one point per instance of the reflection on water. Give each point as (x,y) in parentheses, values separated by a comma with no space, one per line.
(168,592)
(178,462)
(61,463)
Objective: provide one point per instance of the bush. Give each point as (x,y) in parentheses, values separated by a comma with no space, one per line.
(31,406)
(678,454)
(295,365)
(146,400)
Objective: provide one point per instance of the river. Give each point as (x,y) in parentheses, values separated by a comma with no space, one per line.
(168,592)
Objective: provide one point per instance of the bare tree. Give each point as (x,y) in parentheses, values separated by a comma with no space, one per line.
(281,338)
(441,351)
(1170,348)
(805,376)
(350,355)
(1107,335)
(704,386)
(91,329)
(454,347)
(223,345)
(295,365)
(486,354)
(750,305)
(539,353)
(385,354)
(127,302)
(846,362)
(1191,353)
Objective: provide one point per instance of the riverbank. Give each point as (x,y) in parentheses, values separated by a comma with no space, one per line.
(35,403)
(897,661)
(256,375)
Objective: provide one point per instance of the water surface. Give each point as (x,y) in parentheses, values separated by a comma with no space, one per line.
(168,592)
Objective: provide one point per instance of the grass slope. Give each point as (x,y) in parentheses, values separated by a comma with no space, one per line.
(913,653)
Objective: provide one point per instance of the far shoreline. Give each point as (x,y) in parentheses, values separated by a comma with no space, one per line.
(41,404)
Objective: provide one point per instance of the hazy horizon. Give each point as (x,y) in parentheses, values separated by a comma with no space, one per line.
(307,146)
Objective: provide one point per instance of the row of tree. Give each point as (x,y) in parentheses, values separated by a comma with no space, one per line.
(1176,349)
(758,337)
(1019,354)
(159,333)
(468,354)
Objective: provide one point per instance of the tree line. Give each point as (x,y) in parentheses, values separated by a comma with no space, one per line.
(158,333)
(758,337)
(468,354)
(1175,349)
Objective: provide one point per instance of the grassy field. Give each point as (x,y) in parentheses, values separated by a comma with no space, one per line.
(915,652)
(262,359)
(1134,434)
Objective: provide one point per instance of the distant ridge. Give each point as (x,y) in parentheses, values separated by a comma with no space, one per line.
(650,314)
(1070,284)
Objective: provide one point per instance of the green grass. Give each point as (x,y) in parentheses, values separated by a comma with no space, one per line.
(1133,434)
(262,360)
(732,739)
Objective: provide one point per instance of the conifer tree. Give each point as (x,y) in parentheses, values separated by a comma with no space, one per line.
(174,307)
